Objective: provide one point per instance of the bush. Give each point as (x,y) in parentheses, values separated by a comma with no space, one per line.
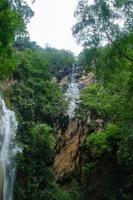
(102,142)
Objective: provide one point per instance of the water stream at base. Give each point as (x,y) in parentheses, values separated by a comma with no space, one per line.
(8,148)
(72,94)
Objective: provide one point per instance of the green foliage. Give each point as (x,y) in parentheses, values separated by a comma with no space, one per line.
(111,97)
(112,94)
(33,164)
(54,192)
(60,61)
(37,101)
(89,168)
(75,192)
(42,138)
(101,143)
(95,97)
(13,17)
(22,43)
(8,63)
(99,21)
(87,59)
(36,96)
(125,154)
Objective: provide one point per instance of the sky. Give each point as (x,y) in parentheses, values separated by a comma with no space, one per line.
(52,24)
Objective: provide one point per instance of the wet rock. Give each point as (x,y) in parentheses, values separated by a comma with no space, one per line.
(81,86)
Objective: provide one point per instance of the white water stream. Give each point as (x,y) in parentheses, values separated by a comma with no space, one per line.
(8,148)
(72,94)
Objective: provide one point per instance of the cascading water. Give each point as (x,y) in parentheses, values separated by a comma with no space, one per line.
(72,94)
(8,126)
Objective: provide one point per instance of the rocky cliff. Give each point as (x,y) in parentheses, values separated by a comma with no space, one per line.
(70,153)
(70,139)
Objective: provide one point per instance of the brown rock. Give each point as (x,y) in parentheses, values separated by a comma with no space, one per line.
(87,79)
(68,160)
(68,157)
(63,81)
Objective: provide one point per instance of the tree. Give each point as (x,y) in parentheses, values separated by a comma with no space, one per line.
(105,21)
(102,20)
(14,15)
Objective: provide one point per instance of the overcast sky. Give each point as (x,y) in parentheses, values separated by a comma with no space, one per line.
(52,24)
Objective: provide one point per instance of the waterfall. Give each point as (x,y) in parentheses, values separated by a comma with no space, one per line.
(8,148)
(72,94)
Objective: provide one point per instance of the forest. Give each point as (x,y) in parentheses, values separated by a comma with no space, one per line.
(88,157)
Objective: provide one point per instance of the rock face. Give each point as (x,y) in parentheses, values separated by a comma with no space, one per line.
(63,81)
(87,79)
(82,79)
(72,133)
(4,85)
(68,160)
